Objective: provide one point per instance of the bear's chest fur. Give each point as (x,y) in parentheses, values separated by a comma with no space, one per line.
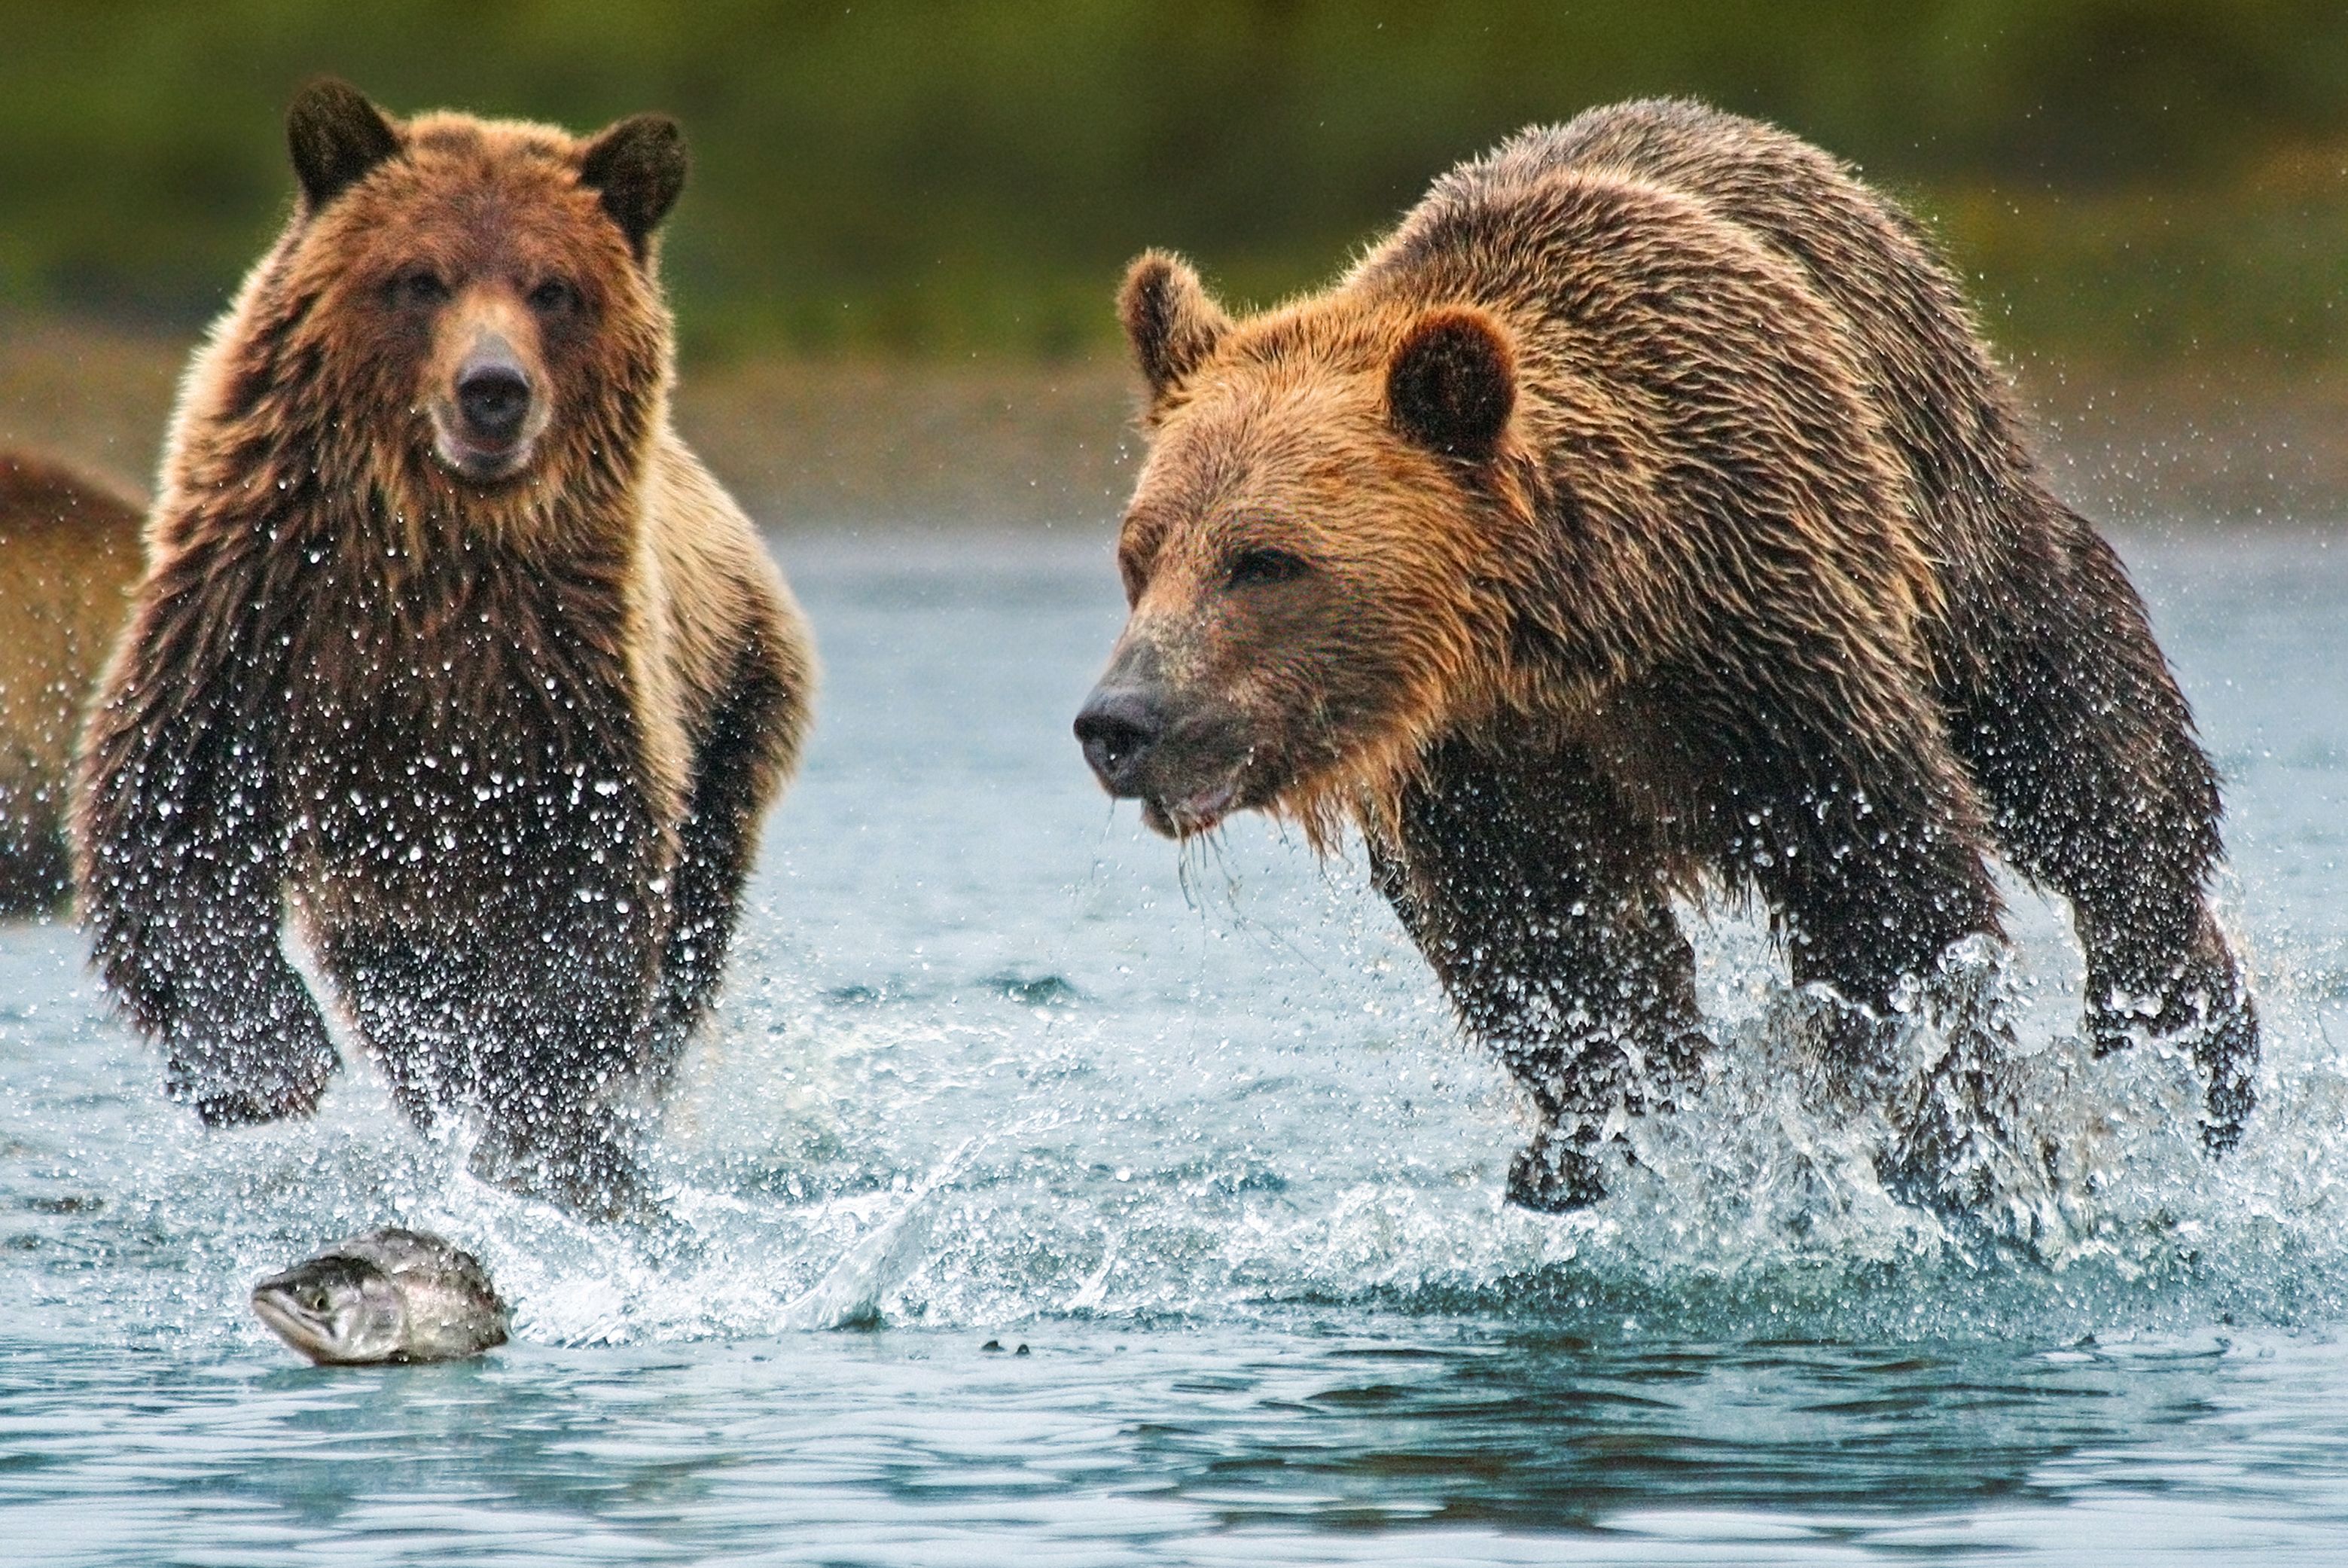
(469,724)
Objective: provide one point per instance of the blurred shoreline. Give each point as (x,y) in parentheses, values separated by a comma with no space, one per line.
(811,443)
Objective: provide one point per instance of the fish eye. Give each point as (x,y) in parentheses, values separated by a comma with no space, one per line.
(555,296)
(1261,567)
(312,1297)
(419,286)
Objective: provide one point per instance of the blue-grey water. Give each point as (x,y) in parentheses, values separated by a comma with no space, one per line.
(999,1070)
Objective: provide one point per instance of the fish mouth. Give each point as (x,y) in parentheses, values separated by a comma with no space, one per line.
(291,1322)
(1197,812)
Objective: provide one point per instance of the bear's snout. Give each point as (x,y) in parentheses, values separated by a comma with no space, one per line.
(1185,762)
(1117,727)
(493,394)
(494,400)
(491,410)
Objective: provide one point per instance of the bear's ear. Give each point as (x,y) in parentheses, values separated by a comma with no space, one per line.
(1452,385)
(1169,318)
(336,136)
(637,166)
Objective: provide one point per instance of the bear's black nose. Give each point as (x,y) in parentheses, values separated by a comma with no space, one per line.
(493,395)
(1116,728)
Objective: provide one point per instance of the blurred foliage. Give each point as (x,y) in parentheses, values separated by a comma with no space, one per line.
(919,176)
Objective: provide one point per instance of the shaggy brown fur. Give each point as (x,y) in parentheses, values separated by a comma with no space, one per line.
(68,557)
(451,646)
(1645,513)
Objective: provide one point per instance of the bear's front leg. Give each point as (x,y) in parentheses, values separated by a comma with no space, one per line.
(180,855)
(1543,911)
(745,751)
(531,1028)
(539,1035)
(585,1157)
(561,1062)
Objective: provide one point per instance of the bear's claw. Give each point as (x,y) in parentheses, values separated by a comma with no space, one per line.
(252,1099)
(1555,1175)
(2208,1006)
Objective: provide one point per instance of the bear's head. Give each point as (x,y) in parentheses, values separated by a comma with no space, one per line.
(481,292)
(1313,552)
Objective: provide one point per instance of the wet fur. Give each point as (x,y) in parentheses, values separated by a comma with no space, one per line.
(502,748)
(69,554)
(1754,584)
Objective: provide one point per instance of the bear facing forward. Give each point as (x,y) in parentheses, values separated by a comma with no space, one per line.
(450,646)
(1644,514)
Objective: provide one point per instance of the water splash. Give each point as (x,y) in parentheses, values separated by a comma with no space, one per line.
(983,1064)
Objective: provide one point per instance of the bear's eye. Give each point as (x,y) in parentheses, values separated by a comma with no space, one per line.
(1258,567)
(553,297)
(419,285)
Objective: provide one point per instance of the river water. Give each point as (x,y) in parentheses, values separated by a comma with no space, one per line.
(1045,1196)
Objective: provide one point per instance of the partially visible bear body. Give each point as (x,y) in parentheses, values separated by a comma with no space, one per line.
(69,554)
(1644,514)
(449,647)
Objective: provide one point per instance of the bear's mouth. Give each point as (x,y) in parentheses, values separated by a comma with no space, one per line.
(488,454)
(1191,762)
(1197,813)
(477,462)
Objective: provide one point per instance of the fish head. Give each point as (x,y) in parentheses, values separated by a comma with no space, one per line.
(337,1310)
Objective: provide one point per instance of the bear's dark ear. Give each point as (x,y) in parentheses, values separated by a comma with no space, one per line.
(1452,385)
(1169,318)
(336,136)
(637,166)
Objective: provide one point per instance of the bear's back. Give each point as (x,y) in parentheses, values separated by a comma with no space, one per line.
(1603,247)
(1942,399)
(1686,382)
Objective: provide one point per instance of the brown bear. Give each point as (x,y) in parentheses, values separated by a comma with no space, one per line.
(447,646)
(1645,516)
(69,554)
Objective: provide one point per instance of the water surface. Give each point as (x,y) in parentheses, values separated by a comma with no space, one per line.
(998,1069)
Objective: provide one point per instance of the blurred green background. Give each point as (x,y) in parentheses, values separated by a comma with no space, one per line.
(894,263)
(2121,178)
